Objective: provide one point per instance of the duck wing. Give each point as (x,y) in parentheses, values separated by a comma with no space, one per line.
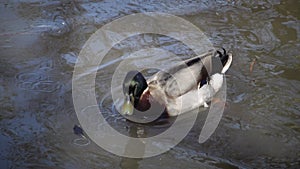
(183,77)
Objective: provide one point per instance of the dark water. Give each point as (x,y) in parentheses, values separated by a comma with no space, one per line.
(39,44)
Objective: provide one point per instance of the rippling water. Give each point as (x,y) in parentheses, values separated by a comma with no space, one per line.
(39,45)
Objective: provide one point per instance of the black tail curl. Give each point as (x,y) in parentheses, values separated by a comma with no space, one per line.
(223,56)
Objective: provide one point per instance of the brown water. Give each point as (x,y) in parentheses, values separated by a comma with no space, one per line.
(39,43)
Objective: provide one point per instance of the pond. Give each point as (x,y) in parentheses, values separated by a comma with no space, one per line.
(40,42)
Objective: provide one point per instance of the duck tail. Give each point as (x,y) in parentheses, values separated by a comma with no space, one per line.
(227,64)
(226,59)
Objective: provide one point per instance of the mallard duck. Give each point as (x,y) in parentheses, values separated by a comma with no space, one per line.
(177,90)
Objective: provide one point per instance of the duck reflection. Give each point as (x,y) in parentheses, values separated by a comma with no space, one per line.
(135,146)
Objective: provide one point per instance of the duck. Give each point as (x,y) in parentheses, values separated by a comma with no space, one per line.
(176,90)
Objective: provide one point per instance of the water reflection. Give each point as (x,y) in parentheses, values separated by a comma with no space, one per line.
(138,145)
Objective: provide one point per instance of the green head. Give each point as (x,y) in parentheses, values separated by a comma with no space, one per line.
(133,87)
